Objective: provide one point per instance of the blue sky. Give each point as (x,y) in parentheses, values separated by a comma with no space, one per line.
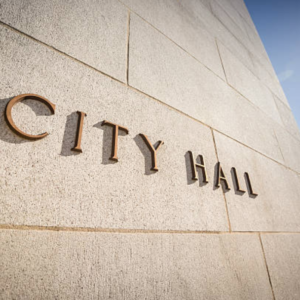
(278,24)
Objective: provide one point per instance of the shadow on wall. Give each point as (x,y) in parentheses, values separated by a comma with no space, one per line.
(70,135)
(189,176)
(147,154)
(6,134)
(189,173)
(107,143)
(235,184)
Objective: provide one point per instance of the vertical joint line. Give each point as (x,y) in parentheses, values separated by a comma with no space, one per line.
(265,259)
(226,206)
(279,146)
(127,48)
(221,59)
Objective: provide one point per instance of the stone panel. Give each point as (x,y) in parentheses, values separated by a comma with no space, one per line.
(169,17)
(288,118)
(43,182)
(131,266)
(160,69)
(248,84)
(200,13)
(277,206)
(234,26)
(270,80)
(290,148)
(283,256)
(94,32)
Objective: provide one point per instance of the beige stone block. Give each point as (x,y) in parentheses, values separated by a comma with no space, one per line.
(45,183)
(87,265)
(232,13)
(244,81)
(287,118)
(241,8)
(172,76)
(231,22)
(94,32)
(204,16)
(283,256)
(277,206)
(269,78)
(173,21)
(290,148)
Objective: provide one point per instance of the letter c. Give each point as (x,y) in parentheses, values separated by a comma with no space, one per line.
(10,121)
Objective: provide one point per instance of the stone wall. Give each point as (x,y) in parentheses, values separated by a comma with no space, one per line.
(191,73)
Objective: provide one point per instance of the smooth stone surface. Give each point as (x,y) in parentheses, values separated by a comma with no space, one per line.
(45,183)
(287,118)
(131,266)
(169,18)
(204,16)
(277,206)
(270,80)
(244,81)
(172,76)
(290,148)
(283,256)
(232,24)
(94,32)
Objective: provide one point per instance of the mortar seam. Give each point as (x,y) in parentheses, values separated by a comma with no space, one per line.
(266,264)
(127,48)
(124,230)
(225,200)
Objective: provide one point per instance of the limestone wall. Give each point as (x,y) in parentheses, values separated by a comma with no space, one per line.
(191,73)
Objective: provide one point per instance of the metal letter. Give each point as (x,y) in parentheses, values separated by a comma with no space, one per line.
(202,166)
(237,183)
(81,116)
(153,151)
(114,151)
(12,124)
(221,176)
(251,192)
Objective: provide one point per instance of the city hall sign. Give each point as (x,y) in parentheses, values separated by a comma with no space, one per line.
(220,175)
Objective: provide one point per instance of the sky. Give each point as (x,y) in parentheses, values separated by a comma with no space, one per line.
(278,24)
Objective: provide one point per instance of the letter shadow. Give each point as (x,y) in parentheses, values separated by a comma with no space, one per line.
(69,138)
(189,173)
(222,183)
(6,134)
(235,184)
(107,144)
(248,188)
(147,154)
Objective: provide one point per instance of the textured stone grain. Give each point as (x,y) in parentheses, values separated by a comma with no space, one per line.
(283,258)
(94,32)
(159,68)
(44,183)
(277,206)
(131,266)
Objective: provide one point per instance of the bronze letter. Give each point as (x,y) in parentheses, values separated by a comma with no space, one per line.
(10,121)
(237,183)
(114,151)
(251,192)
(81,116)
(221,176)
(201,165)
(153,151)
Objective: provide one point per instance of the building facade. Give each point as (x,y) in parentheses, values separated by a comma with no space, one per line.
(171,164)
